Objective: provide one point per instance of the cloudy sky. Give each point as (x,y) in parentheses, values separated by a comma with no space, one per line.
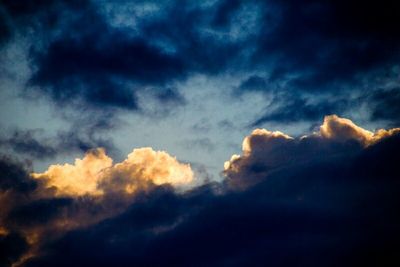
(199,133)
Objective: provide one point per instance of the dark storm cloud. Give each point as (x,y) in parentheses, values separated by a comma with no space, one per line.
(106,66)
(330,42)
(84,59)
(328,47)
(89,61)
(80,57)
(337,212)
(95,72)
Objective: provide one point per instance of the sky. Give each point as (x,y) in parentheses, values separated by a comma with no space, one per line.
(199,133)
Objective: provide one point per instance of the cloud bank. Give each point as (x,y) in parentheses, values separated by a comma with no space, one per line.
(265,151)
(332,192)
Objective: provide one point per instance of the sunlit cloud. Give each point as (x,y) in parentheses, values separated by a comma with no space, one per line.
(80,178)
(144,166)
(72,196)
(95,173)
(341,129)
(264,151)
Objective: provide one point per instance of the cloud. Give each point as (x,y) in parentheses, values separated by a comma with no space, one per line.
(340,129)
(145,166)
(14,177)
(265,151)
(95,174)
(107,67)
(333,187)
(32,144)
(41,207)
(384,104)
(12,246)
(25,142)
(294,109)
(348,42)
(78,179)
(343,209)
(111,52)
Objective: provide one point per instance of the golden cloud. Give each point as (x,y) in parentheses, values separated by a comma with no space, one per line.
(91,174)
(80,178)
(342,129)
(145,166)
(94,189)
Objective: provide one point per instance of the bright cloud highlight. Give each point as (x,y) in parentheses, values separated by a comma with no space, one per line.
(95,173)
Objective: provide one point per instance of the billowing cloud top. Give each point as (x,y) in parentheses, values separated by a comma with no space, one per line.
(265,151)
(95,173)
(341,129)
(71,196)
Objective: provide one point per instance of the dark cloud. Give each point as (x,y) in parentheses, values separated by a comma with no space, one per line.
(311,48)
(327,199)
(30,7)
(224,12)
(85,60)
(38,212)
(329,43)
(97,73)
(12,247)
(385,104)
(13,176)
(333,193)
(106,66)
(33,15)
(24,142)
(80,57)
(253,83)
(33,144)
(287,109)
(342,209)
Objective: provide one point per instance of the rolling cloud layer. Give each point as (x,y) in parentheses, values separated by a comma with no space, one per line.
(327,198)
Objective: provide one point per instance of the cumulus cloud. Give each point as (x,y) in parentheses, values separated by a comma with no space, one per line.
(265,151)
(43,206)
(144,166)
(341,129)
(95,173)
(78,179)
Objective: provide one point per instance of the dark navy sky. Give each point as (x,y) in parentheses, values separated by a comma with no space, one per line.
(193,79)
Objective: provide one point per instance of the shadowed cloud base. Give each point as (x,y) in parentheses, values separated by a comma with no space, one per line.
(324,199)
